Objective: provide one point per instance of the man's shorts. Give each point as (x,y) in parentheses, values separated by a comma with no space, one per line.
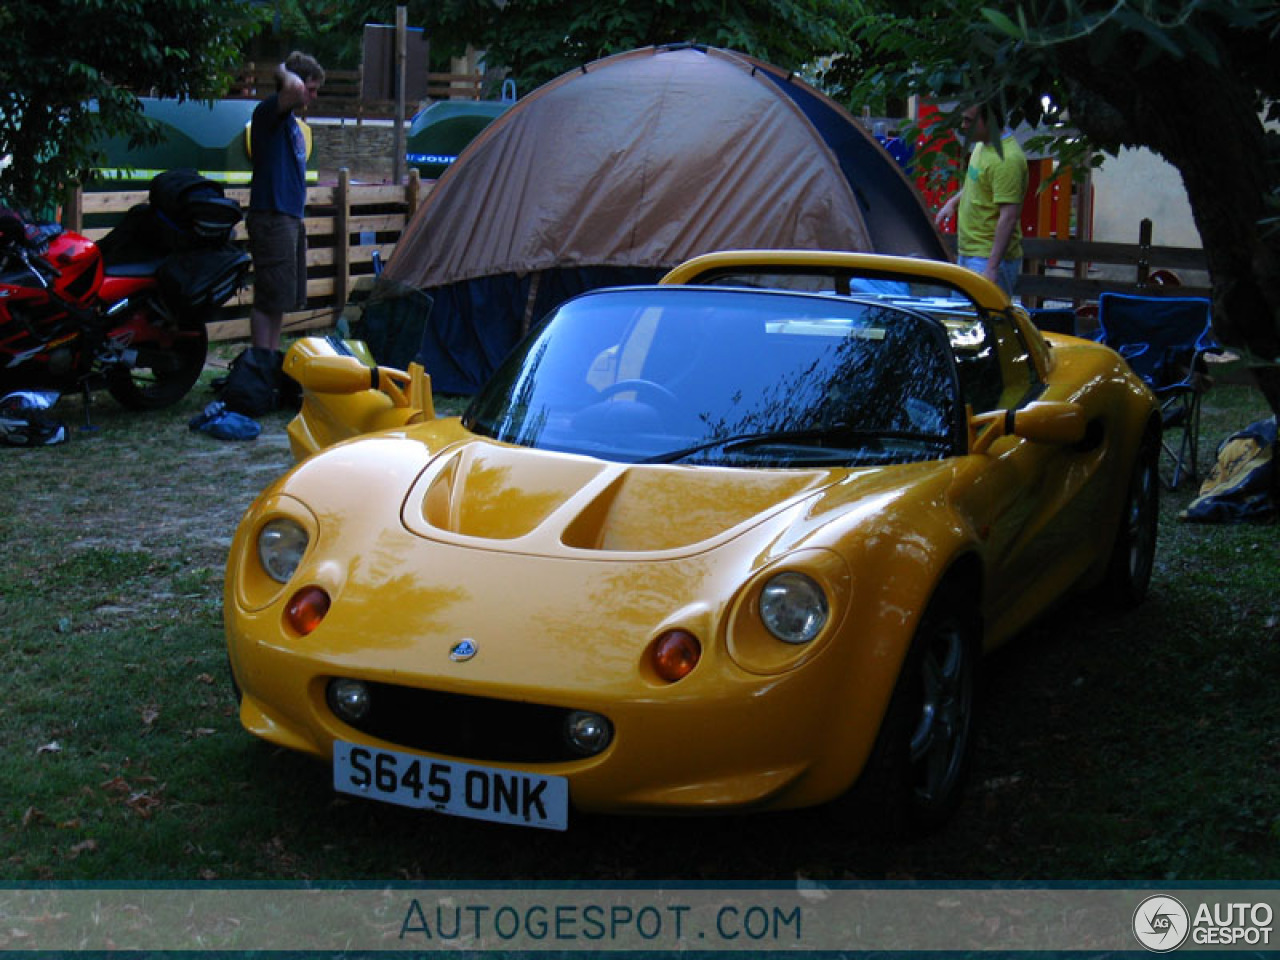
(278,245)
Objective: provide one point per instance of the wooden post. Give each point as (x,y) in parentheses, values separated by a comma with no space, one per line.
(412,194)
(360,95)
(73,208)
(1082,177)
(1144,252)
(1084,220)
(1044,197)
(397,165)
(341,243)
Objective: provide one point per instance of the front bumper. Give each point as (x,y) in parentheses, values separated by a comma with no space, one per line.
(757,743)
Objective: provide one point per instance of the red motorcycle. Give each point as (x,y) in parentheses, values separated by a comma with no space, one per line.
(128,314)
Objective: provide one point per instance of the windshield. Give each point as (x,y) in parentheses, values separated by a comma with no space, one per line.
(728,376)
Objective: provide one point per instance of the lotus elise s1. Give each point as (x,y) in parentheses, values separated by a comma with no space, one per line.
(733,541)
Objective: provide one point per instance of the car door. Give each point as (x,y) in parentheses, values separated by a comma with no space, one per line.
(1033,541)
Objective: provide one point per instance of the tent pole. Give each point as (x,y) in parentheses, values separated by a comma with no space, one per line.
(527,320)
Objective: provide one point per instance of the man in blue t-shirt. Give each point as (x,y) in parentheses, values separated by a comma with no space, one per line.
(277,199)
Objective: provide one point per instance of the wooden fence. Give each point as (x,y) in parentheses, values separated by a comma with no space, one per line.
(341,96)
(346,225)
(1059,269)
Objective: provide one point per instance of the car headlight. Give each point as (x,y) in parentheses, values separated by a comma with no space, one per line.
(793,607)
(281,544)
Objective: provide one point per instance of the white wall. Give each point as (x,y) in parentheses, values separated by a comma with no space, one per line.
(1138,185)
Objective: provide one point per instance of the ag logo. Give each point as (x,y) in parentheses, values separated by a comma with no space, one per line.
(1161,923)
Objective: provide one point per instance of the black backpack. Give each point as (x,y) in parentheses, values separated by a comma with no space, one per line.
(253,383)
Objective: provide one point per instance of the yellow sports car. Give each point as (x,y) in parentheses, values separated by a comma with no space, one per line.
(733,541)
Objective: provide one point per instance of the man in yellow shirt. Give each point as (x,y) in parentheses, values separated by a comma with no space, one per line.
(989,204)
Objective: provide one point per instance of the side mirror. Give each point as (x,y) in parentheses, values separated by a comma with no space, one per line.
(1048,421)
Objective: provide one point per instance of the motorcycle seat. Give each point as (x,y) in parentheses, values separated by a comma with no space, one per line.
(140,268)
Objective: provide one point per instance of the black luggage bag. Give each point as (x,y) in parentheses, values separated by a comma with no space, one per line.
(204,277)
(194,204)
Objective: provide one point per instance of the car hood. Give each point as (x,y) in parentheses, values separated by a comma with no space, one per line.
(429,534)
(523,500)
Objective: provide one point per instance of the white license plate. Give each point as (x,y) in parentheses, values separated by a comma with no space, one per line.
(461,789)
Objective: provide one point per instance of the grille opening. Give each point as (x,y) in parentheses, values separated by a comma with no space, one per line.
(468,727)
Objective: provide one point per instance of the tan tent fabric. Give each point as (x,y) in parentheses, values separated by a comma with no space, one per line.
(642,159)
(612,174)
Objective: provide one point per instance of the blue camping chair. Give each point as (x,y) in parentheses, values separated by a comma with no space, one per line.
(1164,339)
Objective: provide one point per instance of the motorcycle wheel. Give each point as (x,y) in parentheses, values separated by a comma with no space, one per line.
(181,353)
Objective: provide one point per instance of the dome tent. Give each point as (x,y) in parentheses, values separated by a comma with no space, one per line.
(616,172)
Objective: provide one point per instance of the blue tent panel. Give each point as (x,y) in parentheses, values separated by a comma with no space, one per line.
(474,323)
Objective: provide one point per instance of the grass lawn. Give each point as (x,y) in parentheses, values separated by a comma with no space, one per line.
(1143,746)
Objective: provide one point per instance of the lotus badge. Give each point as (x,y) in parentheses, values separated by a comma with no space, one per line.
(462,650)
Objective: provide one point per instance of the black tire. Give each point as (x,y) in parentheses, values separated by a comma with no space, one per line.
(1133,553)
(917,770)
(180,360)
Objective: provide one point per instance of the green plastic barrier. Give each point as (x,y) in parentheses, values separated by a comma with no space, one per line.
(441,132)
(210,138)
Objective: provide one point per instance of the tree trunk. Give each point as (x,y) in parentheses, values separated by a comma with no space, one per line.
(1204,122)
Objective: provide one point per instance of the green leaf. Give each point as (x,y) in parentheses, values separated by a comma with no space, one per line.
(1002,23)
